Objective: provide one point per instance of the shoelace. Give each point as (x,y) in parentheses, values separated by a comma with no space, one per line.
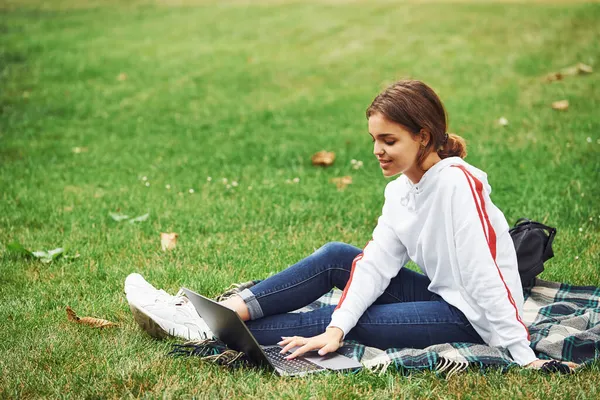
(178,299)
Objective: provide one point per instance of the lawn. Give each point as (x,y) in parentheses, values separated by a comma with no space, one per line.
(159,106)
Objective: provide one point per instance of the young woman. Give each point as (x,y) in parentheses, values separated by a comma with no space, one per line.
(438,213)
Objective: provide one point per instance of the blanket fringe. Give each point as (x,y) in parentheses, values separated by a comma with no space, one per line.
(211,350)
(450,367)
(226,358)
(377,366)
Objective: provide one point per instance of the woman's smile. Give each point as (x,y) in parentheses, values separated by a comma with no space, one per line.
(384,163)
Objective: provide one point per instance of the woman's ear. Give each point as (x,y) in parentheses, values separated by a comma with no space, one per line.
(424,137)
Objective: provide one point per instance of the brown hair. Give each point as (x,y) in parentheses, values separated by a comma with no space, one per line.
(416,107)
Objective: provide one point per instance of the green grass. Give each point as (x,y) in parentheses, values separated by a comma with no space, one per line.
(248,91)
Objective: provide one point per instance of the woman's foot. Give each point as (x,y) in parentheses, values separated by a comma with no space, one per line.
(163,315)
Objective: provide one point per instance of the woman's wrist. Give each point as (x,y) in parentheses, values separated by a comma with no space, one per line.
(533,363)
(336,332)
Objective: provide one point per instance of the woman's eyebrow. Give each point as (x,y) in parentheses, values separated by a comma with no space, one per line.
(382,135)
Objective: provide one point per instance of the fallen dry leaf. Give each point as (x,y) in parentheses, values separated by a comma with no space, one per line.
(561,105)
(577,69)
(584,68)
(323,157)
(89,321)
(341,182)
(168,241)
(553,76)
(122,76)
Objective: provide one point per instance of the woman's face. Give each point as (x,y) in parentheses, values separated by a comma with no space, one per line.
(394,146)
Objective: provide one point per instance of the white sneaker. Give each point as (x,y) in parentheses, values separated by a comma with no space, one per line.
(136,285)
(163,315)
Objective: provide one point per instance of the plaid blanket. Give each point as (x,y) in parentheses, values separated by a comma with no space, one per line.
(563,321)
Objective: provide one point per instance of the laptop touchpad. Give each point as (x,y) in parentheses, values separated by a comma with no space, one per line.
(330,360)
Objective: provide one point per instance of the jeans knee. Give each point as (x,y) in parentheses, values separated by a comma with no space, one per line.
(333,247)
(339,250)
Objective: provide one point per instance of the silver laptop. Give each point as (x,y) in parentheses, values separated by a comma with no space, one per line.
(228,327)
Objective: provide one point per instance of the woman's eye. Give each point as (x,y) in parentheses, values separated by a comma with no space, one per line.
(388,142)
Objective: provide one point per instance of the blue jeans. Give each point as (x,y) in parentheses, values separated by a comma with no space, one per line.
(407,314)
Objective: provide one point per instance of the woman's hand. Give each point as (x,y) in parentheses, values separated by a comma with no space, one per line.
(551,365)
(326,342)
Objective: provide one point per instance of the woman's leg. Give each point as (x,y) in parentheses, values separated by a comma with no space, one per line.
(412,324)
(407,314)
(315,275)
(301,283)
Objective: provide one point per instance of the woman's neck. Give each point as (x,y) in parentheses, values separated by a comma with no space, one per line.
(416,173)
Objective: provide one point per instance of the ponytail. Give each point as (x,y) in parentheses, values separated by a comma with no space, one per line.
(455,146)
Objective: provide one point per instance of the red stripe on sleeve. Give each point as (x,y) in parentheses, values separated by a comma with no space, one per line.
(356,259)
(491,232)
(491,239)
(487,239)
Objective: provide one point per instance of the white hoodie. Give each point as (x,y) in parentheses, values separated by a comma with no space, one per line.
(450,228)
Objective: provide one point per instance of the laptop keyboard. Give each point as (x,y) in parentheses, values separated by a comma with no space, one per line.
(295,365)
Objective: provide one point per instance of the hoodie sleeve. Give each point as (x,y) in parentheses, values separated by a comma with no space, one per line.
(475,241)
(372,270)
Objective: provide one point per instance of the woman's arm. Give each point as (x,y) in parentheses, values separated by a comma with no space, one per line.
(481,277)
(371,273)
(372,270)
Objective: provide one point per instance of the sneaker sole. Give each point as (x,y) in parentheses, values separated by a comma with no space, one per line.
(148,324)
(152,325)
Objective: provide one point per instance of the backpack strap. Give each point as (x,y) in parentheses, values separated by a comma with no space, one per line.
(548,253)
(523,223)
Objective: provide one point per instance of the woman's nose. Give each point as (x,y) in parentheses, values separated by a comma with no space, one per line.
(377,150)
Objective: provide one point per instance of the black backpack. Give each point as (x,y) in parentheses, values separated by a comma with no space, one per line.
(533,243)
